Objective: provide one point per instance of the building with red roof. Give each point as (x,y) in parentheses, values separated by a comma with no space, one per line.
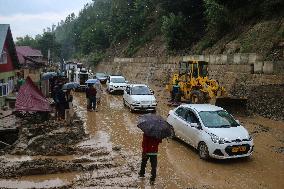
(8,62)
(31,62)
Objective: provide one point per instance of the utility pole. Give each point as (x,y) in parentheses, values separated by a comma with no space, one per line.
(48,57)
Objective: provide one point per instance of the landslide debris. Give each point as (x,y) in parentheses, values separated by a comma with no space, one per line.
(97,166)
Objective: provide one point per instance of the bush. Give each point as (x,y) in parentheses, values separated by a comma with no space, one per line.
(95,57)
(175,32)
(217,17)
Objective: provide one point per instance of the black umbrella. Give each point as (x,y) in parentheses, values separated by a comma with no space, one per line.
(71,85)
(154,126)
(48,75)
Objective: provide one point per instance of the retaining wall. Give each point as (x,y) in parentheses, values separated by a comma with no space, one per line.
(232,71)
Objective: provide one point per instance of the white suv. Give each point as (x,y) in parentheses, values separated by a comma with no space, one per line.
(211,130)
(115,83)
(139,97)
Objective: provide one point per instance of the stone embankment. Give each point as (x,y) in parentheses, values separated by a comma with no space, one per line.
(242,75)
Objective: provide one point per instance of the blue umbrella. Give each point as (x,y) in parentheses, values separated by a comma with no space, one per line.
(92,81)
(154,126)
(71,85)
(48,75)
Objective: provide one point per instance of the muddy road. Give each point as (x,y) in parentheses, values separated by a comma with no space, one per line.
(179,165)
(110,156)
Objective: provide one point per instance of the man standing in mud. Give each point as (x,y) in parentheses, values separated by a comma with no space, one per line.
(150,150)
(91,93)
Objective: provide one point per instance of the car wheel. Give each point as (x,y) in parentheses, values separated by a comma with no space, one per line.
(124,103)
(203,151)
(173,133)
(130,109)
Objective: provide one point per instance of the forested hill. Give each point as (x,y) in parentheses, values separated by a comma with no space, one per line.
(107,28)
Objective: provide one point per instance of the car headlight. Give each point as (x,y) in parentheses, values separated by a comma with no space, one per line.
(217,139)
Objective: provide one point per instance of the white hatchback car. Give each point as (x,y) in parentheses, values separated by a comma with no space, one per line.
(139,97)
(211,130)
(115,83)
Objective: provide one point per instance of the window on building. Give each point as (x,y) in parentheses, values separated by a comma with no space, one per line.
(3,57)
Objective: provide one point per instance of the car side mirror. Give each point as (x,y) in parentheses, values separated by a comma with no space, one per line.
(196,125)
(126,81)
(153,92)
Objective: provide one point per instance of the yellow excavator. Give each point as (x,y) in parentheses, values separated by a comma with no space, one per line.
(196,87)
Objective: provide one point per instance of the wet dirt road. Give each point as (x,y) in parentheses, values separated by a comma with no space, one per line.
(179,165)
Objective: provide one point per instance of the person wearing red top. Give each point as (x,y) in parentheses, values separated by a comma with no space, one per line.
(91,93)
(150,150)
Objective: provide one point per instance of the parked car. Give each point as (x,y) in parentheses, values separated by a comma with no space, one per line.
(211,130)
(139,97)
(101,76)
(115,83)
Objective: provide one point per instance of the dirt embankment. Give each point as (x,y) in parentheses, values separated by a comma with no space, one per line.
(56,147)
(265,100)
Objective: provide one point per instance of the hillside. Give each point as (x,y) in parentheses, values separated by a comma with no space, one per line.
(131,28)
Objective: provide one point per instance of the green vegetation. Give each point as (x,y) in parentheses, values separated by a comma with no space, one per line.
(102,24)
(43,42)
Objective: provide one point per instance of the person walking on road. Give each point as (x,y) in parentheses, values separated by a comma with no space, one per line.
(91,93)
(61,101)
(99,89)
(150,151)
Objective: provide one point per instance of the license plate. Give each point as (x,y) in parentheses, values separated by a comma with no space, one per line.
(240,148)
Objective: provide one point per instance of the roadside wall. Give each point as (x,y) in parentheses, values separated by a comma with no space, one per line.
(238,73)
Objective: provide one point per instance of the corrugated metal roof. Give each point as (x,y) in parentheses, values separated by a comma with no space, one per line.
(28,51)
(3,34)
(30,98)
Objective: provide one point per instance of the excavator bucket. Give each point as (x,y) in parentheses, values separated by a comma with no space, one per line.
(234,105)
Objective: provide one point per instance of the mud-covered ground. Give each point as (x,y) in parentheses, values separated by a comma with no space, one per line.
(55,154)
(102,150)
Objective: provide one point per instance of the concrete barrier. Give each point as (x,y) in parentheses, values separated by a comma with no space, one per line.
(258,67)
(268,67)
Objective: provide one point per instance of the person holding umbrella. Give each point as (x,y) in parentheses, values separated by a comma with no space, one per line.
(91,93)
(150,151)
(155,128)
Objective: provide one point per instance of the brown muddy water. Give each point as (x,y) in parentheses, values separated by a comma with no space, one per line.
(179,165)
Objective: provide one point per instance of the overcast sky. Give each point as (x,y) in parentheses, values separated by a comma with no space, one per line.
(30,17)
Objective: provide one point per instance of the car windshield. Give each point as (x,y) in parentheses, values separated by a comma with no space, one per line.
(140,90)
(217,119)
(100,75)
(117,80)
